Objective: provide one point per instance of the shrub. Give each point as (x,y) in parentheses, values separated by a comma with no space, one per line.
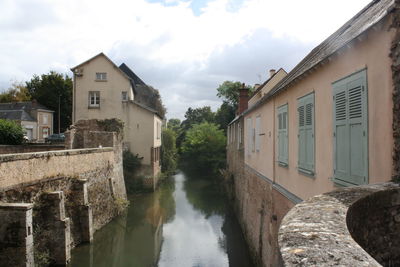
(131,162)
(11,133)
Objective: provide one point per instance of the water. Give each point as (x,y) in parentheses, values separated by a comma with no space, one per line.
(186,222)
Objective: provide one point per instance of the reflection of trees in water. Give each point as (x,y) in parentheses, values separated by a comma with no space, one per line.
(238,253)
(205,194)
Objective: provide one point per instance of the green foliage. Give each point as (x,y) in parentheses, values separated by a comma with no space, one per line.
(196,116)
(121,204)
(229,92)
(111,125)
(168,151)
(205,144)
(224,115)
(131,162)
(50,90)
(10,133)
(16,93)
(174,125)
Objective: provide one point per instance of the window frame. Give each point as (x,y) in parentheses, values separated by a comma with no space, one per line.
(283,160)
(101,76)
(96,97)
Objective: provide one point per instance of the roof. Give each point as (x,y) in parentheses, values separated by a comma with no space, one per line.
(103,55)
(361,22)
(144,94)
(264,83)
(20,115)
(27,106)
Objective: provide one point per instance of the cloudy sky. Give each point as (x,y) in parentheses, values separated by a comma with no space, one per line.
(185,48)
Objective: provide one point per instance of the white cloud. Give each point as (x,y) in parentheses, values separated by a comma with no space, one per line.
(175,49)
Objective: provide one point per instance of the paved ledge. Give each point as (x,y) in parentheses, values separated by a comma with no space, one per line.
(46,154)
(357,226)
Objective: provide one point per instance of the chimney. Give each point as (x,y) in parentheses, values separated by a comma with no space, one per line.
(243,99)
(271,72)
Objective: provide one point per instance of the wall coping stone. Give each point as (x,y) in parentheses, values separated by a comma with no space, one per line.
(16,206)
(45,154)
(315,232)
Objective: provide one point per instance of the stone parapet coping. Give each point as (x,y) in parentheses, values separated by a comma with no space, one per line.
(315,232)
(45,154)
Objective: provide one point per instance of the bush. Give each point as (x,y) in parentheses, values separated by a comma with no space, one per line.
(11,133)
(205,144)
(131,162)
(168,152)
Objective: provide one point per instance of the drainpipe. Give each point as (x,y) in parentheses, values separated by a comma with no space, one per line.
(273,140)
(73,99)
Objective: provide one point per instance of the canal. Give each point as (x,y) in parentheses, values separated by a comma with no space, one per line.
(186,222)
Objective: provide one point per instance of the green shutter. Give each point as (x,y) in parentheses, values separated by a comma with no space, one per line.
(283,135)
(306,133)
(350,116)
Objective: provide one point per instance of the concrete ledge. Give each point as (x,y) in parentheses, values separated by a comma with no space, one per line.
(339,227)
(45,154)
(16,206)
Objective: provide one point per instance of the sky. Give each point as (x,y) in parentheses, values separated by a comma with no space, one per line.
(184,48)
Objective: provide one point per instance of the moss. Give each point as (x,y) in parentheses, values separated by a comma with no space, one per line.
(121,204)
(111,125)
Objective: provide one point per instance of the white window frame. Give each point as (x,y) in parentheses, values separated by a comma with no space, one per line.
(101,76)
(45,119)
(124,96)
(94,99)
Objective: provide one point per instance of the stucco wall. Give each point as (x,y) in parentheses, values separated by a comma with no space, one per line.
(352,58)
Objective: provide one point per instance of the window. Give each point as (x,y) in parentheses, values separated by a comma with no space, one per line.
(101,76)
(249,136)
(124,96)
(45,132)
(94,99)
(44,118)
(158,130)
(306,140)
(283,147)
(257,133)
(350,130)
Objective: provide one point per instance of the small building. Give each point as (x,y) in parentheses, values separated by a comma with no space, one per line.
(328,123)
(36,119)
(102,90)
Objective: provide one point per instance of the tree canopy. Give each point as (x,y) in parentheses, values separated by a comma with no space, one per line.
(51,90)
(228,91)
(16,93)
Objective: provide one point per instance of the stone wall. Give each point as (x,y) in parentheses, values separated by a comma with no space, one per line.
(395,55)
(6,149)
(258,205)
(357,226)
(74,192)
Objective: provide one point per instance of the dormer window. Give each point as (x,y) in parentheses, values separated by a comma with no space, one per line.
(101,76)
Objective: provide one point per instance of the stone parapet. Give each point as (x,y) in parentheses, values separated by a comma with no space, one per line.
(357,226)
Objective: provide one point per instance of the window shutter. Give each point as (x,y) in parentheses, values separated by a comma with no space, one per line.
(306,133)
(257,133)
(249,135)
(350,130)
(283,134)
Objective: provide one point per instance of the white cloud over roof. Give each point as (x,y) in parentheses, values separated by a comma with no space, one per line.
(183,48)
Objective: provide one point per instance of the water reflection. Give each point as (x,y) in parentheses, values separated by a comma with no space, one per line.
(184,223)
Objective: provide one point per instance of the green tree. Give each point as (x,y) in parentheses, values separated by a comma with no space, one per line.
(174,125)
(16,93)
(196,116)
(51,90)
(168,151)
(205,144)
(11,133)
(224,115)
(229,91)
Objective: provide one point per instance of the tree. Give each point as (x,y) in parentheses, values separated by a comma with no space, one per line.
(196,116)
(224,115)
(174,125)
(11,133)
(205,144)
(16,93)
(168,152)
(229,92)
(54,90)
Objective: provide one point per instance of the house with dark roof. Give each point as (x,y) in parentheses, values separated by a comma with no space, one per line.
(103,90)
(36,119)
(328,123)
